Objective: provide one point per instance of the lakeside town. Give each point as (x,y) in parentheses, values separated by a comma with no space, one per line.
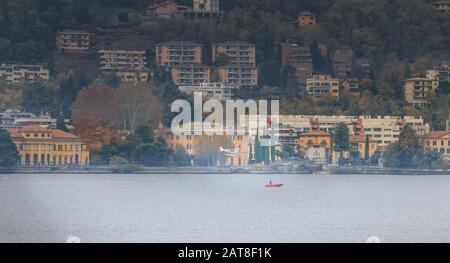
(100,103)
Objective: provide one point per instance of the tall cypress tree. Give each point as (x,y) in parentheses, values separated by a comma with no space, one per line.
(8,151)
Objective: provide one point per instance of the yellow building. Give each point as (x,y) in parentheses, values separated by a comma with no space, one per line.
(322,86)
(358,144)
(417,90)
(314,138)
(438,141)
(240,145)
(42,146)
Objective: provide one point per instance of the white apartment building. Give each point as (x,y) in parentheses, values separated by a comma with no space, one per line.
(385,130)
(219,91)
(14,74)
(122,59)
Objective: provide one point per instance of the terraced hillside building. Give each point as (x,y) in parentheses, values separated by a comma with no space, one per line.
(73,41)
(129,65)
(174,53)
(18,73)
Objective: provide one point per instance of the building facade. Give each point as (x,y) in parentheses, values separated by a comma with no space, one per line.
(73,41)
(417,91)
(237,52)
(16,74)
(342,62)
(113,59)
(306,19)
(190,74)
(38,146)
(299,58)
(206,6)
(243,76)
(358,145)
(218,91)
(176,53)
(438,141)
(320,86)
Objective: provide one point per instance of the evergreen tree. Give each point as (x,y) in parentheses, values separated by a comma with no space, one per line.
(8,151)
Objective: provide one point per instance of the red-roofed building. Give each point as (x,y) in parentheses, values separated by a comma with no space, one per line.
(48,147)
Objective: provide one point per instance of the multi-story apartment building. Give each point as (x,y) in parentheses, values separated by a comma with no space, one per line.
(12,118)
(342,62)
(190,74)
(207,6)
(384,130)
(41,146)
(417,90)
(440,73)
(237,52)
(111,60)
(218,91)
(306,19)
(320,86)
(175,53)
(244,76)
(15,74)
(299,58)
(442,6)
(438,141)
(128,65)
(73,41)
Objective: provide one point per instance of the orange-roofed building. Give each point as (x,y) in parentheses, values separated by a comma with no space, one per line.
(40,146)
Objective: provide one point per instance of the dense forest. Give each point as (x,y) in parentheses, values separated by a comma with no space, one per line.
(399,37)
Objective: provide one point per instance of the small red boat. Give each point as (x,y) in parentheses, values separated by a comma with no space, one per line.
(271,185)
(274,185)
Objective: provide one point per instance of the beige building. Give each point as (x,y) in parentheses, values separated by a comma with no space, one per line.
(384,130)
(190,74)
(320,86)
(438,141)
(41,146)
(15,74)
(128,65)
(299,58)
(175,53)
(417,90)
(237,52)
(72,41)
(218,91)
(244,76)
(113,59)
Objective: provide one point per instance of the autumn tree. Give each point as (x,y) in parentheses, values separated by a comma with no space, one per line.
(137,106)
(94,115)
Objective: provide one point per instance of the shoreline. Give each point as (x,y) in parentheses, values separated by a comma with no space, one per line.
(224,170)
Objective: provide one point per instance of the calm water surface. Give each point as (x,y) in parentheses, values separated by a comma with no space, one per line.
(224,208)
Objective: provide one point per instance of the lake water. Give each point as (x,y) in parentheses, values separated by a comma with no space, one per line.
(224,208)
